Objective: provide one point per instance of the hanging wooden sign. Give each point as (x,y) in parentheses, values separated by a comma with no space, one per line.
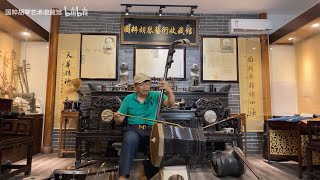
(158,30)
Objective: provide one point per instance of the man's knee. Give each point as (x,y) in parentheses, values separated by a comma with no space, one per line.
(131,138)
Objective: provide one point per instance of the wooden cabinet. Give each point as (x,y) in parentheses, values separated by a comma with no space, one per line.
(28,125)
(10,143)
(36,132)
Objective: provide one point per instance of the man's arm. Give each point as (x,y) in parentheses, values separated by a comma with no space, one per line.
(169,102)
(118,117)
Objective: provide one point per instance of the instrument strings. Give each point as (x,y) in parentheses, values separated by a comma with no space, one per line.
(153,120)
(147,119)
(231,117)
(169,123)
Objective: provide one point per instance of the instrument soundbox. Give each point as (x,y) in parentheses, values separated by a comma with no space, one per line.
(175,146)
(74,86)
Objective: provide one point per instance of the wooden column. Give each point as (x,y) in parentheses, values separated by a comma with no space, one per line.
(265,72)
(51,84)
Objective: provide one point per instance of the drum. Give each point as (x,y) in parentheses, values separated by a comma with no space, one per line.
(76,106)
(172,146)
(227,163)
(62,174)
(67,105)
(71,106)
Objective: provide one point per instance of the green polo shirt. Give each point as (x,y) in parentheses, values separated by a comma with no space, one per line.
(131,106)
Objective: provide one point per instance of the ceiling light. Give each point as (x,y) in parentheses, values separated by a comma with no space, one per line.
(254,48)
(127,11)
(290,38)
(160,12)
(191,11)
(26,33)
(161,7)
(315,25)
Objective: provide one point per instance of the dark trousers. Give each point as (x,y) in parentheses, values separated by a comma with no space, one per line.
(133,140)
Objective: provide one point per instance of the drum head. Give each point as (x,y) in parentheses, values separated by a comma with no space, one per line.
(156,144)
(107,115)
(210,116)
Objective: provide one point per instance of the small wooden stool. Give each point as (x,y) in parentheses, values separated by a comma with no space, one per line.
(167,171)
(63,121)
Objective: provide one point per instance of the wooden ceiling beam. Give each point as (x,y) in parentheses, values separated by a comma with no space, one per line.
(25,20)
(296,23)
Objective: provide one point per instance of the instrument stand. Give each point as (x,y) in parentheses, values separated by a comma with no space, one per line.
(167,171)
(244,159)
(64,117)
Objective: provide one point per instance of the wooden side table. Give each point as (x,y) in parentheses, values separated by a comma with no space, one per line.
(243,118)
(65,116)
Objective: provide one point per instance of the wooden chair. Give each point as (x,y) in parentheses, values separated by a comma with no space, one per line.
(312,146)
(141,155)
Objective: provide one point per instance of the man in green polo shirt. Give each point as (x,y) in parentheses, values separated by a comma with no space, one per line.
(142,103)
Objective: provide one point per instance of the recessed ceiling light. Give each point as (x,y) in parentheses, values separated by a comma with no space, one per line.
(26,33)
(315,25)
(290,38)
(253,48)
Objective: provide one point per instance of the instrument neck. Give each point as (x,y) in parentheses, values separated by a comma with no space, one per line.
(168,66)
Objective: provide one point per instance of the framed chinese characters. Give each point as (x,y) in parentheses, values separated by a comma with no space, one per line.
(250,82)
(219,59)
(158,30)
(152,61)
(99,56)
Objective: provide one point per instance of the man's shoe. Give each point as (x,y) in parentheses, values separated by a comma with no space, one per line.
(142,174)
(149,169)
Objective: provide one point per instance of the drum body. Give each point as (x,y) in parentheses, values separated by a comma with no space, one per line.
(172,145)
(76,106)
(71,106)
(227,163)
(62,174)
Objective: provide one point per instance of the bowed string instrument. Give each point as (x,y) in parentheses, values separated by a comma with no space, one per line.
(167,67)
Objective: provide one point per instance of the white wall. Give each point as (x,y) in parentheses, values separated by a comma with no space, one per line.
(37,56)
(308,79)
(283,80)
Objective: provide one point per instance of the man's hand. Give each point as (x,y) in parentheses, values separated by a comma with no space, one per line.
(164,85)
(171,98)
(118,117)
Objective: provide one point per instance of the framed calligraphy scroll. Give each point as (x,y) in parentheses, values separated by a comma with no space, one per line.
(152,61)
(250,83)
(219,59)
(99,56)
